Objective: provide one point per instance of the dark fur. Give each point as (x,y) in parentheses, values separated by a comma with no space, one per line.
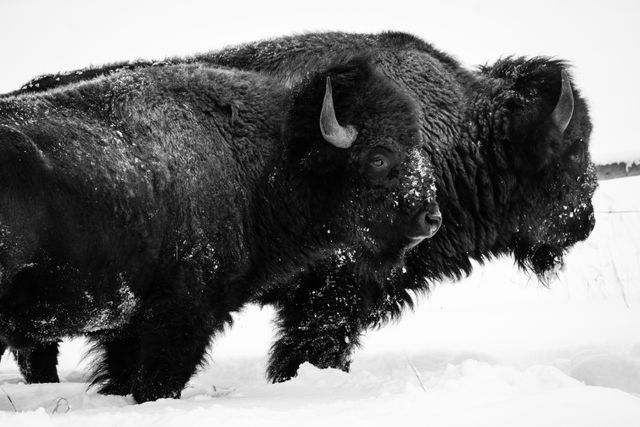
(142,208)
(508,183)
(504,175)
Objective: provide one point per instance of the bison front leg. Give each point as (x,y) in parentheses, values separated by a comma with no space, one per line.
(173,338)
(116,370)
(38,364)
(320,322)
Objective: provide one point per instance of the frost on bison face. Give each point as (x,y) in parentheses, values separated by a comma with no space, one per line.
(549,129)
(381,177)
(563,215)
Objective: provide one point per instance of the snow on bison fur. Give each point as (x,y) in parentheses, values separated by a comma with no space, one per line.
(142,208)
(509,146)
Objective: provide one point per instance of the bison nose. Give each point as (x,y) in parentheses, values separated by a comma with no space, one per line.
(589,223)
(592,222)
(427,222)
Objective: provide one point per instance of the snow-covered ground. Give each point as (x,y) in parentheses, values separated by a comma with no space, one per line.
(496,349)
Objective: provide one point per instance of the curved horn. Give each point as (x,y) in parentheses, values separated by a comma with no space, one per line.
(561,115)
(332,132)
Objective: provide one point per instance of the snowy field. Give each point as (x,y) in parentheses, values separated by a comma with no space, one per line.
(496,349)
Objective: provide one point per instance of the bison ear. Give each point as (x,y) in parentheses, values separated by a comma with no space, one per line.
(541,111)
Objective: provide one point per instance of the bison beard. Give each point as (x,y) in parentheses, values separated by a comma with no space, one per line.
(513,176)
(142,209)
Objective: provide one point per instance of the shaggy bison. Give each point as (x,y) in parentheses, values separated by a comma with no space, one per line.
(142,208)
(509,146)
(513,175)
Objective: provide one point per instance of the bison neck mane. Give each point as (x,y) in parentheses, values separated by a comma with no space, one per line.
(479,199)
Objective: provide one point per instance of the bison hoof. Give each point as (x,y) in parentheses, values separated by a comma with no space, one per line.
(115,389)
(148,395)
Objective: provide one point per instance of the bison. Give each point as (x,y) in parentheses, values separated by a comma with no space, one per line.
(509,146)
(142,208)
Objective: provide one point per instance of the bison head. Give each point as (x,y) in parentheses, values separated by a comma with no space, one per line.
(353,135)
(545,129)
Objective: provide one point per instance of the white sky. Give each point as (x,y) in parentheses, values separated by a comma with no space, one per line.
(601,39)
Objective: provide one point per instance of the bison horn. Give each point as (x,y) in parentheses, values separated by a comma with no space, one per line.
(561,115)
(332,132)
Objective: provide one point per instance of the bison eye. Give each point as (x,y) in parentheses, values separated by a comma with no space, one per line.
(576,152)
(379,162)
